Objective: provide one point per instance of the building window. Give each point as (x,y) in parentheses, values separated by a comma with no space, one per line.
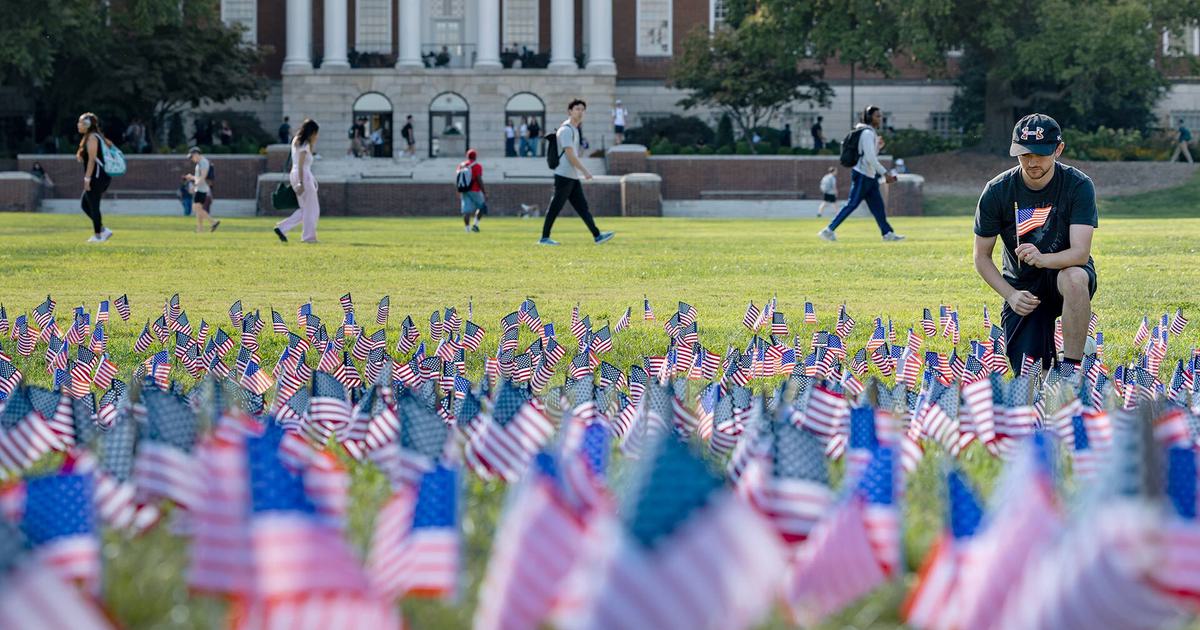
(1188,42)
(520,25)
(942,123)
(654,28)
(373,26)
(1196,41)
(718,11)
(244,12)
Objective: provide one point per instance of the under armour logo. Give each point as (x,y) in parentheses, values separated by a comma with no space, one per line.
(1027,132)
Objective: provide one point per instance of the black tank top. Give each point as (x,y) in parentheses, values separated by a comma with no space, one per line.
(100,172)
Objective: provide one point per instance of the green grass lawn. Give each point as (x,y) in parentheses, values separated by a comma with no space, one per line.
(1146,266)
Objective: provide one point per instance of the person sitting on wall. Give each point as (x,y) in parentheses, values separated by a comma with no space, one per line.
(443,57)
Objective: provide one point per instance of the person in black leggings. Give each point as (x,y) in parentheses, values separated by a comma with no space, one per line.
(95,180)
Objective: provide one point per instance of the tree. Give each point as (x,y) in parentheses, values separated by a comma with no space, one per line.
(1060,55)
(148,58)
(745,73)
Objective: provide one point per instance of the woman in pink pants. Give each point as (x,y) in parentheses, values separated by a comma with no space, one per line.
(304,184)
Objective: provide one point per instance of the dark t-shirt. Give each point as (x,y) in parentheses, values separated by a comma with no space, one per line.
(406,132)
(816,131)
(1070,197)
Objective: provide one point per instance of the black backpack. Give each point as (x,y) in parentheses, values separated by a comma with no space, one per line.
(850,152)
(553,154)
(462,178)
(212,172)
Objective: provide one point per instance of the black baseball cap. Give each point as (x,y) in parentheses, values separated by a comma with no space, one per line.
(1035,133)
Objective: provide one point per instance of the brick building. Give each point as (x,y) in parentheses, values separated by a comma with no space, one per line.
(462,67)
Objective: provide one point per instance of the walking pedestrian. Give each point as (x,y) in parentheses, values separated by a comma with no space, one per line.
(828,190)
(410,138)
(185,195)
(199,178)
(469,180)
(864,182)
(304,184)
(285,131)
(1046,213)
(619,114)
(95,180)
(567,171)
(1181,145)
(510,139)
(818,134)
(785,137)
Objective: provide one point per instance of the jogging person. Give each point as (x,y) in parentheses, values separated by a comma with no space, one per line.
(828,190)
(200,196)
(864,178)
(566,177)
(1046,212)
(471,199)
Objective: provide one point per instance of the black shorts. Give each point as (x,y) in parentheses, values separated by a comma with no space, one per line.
(830,197)
(199,197)
(619,128)
(1033,334)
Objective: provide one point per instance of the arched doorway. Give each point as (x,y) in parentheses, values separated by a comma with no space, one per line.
(527,108)
(375,111)
(449,125)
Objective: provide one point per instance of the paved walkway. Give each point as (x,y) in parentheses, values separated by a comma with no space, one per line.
(748,209)
(438,169)
(151,207)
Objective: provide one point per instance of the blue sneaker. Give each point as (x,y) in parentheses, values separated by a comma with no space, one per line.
(548,241)
(605,237)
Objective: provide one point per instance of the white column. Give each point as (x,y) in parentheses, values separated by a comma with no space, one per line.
(489,34)
(562,35)
(299,28)
(600,53)
(335,35)
(410,35)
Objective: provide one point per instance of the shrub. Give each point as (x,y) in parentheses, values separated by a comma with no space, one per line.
(705,150)
(687,150)
(905,143)
(678,130)
(785,151)
(725,131)
(664,147)
(743,148)
(247,130)
(1116,144)
(725,149)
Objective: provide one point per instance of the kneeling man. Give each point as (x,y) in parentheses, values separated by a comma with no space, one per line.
(1045,212)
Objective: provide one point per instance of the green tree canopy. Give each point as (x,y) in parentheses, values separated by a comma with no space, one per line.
(745,72)
(1087,62)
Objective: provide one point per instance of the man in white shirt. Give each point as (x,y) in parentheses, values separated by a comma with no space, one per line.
(619,114)
(566,177)
(864,178)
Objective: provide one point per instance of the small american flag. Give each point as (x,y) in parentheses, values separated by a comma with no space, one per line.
(929,603)
(795,493)
(102,312)
(278,326)
(1178,323)
(928,324)
(518,427)
(58,521)
(1143,332)
(810,313)
(623,323)
(753,318)
(1030,219)
(122,306)
(381,312)
(4,325)
(416,545)
(347,303)
(236,314)
(256,379)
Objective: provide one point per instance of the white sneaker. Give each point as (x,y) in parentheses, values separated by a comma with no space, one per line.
(827,235)
(467,229)
(106,234)
(95,239)
(892,236)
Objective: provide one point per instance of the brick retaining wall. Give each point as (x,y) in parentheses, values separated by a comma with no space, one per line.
(236,176)
(607,196)
(18,192)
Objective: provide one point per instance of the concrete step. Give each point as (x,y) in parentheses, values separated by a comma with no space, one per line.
(151,207)
(746,209)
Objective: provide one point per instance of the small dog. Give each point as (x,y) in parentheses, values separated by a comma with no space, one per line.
(530,211)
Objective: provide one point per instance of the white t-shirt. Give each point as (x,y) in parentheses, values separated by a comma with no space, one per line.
(568,136)
(201,175)
(619,115)
(829,184)
(508,132)
(524,131)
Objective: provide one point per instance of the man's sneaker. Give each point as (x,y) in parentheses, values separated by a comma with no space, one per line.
(95,239)
(475,228)
(105,234)
(892,236)
(548,241)
(467,229)
(827,235)
(605,237)
(281,235)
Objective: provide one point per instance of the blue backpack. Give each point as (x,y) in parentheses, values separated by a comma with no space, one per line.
(111,159)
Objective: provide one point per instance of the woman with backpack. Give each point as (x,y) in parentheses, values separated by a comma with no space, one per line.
(95,179)
(304,184)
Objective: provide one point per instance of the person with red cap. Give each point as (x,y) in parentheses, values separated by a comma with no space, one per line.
(468,178)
